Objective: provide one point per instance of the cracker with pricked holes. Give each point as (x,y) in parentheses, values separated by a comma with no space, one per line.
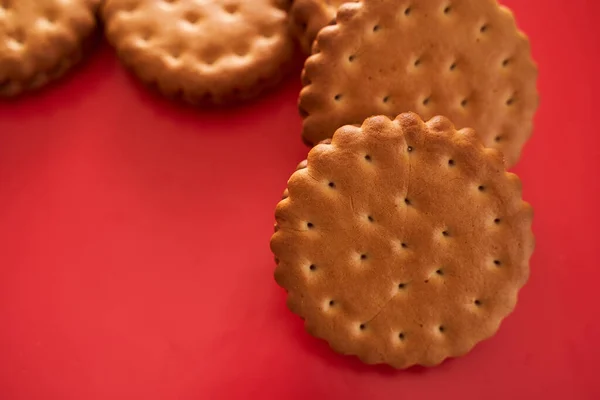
(308,17)
(213,51)
(40,40)
(464,59)
(402,242)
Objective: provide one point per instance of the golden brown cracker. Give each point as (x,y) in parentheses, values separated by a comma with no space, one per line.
(402,242)
(212,51)
(40,40)
(308,17)
(465,59)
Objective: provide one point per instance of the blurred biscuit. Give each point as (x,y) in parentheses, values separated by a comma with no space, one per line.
(40,40)
(213,51)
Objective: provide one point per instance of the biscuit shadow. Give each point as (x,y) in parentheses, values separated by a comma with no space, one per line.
(150,96)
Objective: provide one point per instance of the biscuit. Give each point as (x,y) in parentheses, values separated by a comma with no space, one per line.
(308,17)
(40,40)
(402,242)
(213,51)
(464,59)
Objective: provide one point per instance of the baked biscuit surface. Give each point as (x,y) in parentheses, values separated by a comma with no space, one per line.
(464,59)
(308,17)
(210,51)
(402,242)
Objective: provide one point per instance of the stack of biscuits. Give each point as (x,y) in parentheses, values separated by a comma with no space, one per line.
(401,239)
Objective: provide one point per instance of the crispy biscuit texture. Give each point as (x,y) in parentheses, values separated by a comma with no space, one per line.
(464,59)
(402,242)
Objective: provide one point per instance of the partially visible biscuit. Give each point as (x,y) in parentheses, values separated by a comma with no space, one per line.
(308,17)
(465,59)
(40,40)
(402,242)
(213,51)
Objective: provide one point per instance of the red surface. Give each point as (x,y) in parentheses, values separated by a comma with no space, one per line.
(134,258)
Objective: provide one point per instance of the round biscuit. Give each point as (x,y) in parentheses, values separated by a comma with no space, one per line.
(40,40)
(202,51)
(465,59)
(402,242)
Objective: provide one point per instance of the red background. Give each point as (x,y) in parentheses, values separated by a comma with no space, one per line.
(134,257)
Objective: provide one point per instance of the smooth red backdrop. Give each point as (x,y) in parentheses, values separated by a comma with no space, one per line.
(134,245)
